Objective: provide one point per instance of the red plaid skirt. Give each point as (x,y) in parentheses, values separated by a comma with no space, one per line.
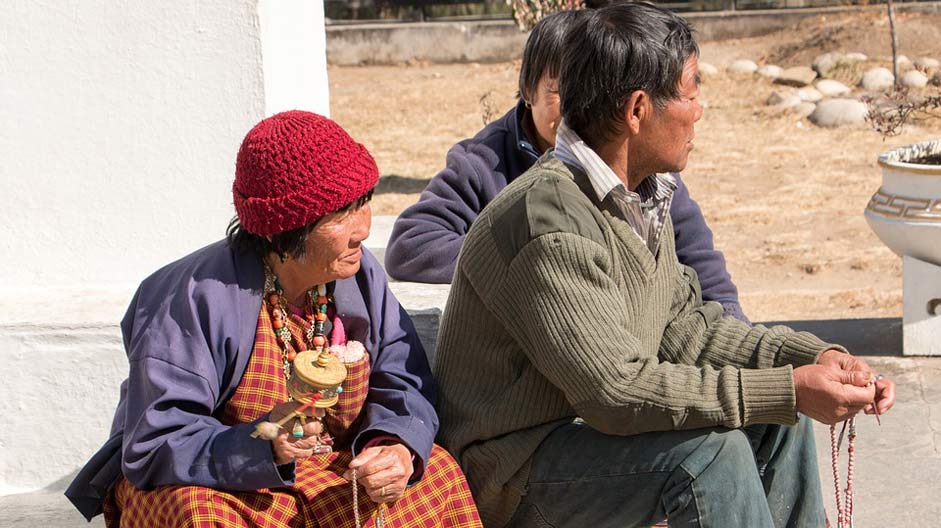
(320,496)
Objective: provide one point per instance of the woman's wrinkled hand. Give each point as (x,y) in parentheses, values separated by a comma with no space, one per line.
(286,447)
(383,471)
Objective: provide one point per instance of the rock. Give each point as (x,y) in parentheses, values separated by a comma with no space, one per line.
(770,71)
(855,57)
(914,79)
(936,79)
(707,70)
(804,109)
(903,63)
(839,112)
(783,99)
(826,62)
(877,79)
(798,76)
(831,88)
(927,64)
(743,66)
(809,95)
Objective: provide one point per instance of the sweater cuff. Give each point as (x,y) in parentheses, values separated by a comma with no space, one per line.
(768,396)
(803,348)
(734,309)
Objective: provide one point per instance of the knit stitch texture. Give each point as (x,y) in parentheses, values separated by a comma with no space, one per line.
(558,310)
(296,167)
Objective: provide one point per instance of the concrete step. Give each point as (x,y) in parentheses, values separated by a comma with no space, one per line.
(42,509)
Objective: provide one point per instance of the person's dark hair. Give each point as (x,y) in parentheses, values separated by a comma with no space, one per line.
(292,243)
(613,52)
(543,51)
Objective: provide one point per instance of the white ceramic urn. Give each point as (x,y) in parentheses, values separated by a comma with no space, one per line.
(905,214)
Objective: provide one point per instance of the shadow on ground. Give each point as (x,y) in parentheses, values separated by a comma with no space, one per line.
(862,337)
(392,183)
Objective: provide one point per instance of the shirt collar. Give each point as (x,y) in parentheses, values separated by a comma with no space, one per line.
(572,150)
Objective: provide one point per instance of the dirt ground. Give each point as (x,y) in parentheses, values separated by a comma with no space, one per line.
(783,197)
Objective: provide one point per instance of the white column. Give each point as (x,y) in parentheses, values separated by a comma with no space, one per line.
(123,120)
(294,54)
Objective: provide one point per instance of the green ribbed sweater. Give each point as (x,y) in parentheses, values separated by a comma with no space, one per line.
(558,310)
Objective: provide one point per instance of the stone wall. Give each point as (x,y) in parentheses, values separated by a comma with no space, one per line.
(501,40)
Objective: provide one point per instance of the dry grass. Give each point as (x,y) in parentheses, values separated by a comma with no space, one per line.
(784,198)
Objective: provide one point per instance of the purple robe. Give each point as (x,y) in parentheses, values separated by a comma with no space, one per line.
(189,332)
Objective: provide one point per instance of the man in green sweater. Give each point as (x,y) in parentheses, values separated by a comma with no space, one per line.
(583,381)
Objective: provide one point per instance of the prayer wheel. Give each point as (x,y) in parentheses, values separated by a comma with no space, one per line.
(317,373)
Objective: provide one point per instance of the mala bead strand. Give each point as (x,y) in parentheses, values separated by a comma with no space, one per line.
(355,501)
(844,498)
(850,464)
(834,464)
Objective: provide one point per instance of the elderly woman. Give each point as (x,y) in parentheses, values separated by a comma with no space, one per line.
(427,236)
(219,342)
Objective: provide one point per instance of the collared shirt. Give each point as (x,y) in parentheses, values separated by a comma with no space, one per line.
(644,209)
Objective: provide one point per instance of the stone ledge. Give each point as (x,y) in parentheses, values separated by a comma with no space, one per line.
(67,351)
(42,508)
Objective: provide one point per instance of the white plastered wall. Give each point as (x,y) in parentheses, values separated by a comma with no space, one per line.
(122,121)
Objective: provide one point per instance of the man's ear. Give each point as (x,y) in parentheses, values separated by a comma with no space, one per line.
(637,110)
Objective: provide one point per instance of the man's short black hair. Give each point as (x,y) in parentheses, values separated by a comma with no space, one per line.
(613,52)
(291,243)
(543,51)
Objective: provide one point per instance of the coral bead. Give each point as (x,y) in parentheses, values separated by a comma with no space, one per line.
(321,316)
(291,355)
(277,323)
(273,299)
(319,340)
(321,300)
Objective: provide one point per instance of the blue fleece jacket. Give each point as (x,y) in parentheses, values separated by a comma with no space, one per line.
(427,236)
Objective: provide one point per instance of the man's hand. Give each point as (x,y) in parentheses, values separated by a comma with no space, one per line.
(885,388)
(285,446)
(383,471)
(830,395)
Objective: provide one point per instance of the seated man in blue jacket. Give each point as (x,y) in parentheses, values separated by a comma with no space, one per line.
(427,236)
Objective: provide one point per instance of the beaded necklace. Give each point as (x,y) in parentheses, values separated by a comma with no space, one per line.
(316,315)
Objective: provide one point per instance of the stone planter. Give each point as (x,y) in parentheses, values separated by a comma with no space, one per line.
(905,213)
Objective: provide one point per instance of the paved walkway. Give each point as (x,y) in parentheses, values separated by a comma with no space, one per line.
(897,465)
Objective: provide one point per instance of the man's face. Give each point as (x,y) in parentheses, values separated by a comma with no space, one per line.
(668,138)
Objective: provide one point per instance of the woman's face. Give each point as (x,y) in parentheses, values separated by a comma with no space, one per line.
(545,110)
(334,247)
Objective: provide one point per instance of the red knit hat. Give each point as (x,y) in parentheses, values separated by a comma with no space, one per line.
(296,167)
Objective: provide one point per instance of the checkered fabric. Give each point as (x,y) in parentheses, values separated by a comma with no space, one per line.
(340,418)
(320,497)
